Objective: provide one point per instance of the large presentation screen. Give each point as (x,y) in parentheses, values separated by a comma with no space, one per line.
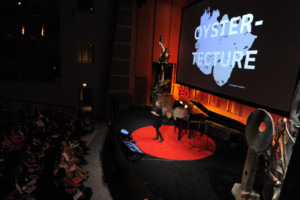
(247,51)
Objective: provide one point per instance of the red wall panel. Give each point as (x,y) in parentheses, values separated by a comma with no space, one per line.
(162,26)
(144,38)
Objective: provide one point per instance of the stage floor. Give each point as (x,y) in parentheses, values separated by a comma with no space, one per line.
(208,178)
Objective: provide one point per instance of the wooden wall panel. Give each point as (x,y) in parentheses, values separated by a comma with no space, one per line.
(162,26)
(176,11)
(144,31)
(223,103)
(141,89)
(144,39)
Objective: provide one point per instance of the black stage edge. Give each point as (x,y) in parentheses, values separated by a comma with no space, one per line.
(143,177)
(119,174)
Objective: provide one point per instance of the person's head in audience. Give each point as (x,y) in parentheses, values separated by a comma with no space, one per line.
(68,133)
(61,173)
(19,130)
(5,143)
(63,145)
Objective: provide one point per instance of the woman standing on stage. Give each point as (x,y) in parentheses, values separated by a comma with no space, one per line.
(157,120)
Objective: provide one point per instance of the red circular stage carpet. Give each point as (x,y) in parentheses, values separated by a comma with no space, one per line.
(172,148)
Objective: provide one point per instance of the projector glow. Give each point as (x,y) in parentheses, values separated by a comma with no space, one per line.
(246,51)
(222,45)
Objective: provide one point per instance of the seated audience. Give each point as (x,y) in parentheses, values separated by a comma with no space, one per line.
(42,153)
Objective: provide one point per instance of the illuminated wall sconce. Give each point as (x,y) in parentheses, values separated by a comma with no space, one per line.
(23,30)
(86,53)
(42,31)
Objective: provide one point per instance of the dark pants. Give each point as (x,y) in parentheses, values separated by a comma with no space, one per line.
(179,134)
(158,134)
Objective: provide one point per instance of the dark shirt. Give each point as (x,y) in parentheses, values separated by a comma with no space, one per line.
(157,119)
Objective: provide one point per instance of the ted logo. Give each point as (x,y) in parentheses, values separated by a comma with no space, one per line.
(183,92)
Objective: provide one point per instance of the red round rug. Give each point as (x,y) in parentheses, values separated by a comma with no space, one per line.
(171,148)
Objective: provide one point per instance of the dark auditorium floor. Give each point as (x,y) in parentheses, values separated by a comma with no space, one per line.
(211,178)
(95,142)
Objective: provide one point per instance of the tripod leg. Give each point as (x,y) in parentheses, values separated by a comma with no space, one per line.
(206,145)
(194,141)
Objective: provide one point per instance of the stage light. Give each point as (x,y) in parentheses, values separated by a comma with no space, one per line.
(186,106)
(42,30)
(19,3)
(23,30)
(180,102)
(54,67)
(84,84)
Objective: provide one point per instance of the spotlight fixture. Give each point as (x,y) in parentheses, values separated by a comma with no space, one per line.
(181,102)
(23,30)
(185,106)
(42,31)
(19,3)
